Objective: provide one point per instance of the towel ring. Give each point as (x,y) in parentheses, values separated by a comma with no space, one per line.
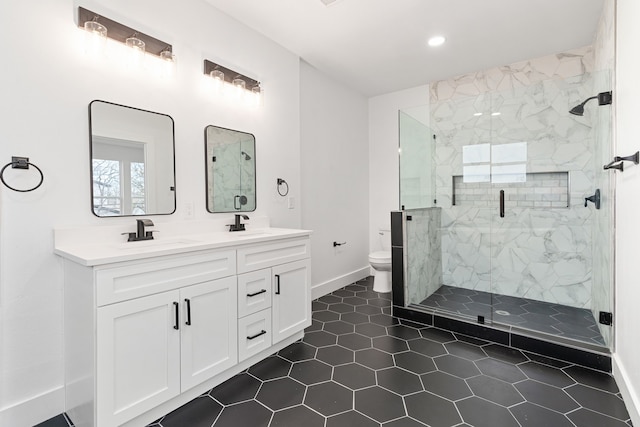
(20,163)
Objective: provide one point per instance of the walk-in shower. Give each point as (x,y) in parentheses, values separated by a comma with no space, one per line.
(493,189)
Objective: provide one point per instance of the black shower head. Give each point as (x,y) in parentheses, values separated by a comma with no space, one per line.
(246,156)
(604,98)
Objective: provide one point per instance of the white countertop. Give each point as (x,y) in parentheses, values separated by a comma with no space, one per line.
(90,252)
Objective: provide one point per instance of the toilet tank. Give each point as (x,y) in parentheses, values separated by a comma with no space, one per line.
(385,239)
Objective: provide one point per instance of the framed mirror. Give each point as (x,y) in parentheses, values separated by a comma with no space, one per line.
(132,161)
(230,170)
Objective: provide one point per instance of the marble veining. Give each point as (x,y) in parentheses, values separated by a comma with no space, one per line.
(423,252)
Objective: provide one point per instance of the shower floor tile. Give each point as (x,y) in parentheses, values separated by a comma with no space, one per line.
(558,320)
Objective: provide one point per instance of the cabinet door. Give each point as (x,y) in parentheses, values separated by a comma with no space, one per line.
(138,356)
(291,299)
(209,330)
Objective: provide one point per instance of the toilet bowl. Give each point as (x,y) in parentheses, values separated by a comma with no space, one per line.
(381,263)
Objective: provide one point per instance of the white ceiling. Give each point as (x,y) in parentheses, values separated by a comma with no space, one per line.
(380,46)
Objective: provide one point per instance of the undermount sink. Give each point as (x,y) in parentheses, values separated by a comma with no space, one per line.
(249,233)
(154,244)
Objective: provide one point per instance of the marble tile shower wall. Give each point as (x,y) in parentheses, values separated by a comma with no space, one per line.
(232,175)
(537,253)
(423,251)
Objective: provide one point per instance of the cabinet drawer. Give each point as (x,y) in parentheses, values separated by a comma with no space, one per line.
(263,256)
(254,292)
(149,277)
(254,334)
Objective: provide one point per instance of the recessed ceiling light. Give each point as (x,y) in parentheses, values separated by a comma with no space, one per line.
(497,113)
(477,114)
(436,41)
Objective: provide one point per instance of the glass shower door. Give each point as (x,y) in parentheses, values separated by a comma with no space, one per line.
(545,248)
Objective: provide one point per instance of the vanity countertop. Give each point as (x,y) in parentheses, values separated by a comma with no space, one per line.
(98,253)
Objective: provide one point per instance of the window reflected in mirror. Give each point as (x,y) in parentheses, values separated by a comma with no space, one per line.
(132,161)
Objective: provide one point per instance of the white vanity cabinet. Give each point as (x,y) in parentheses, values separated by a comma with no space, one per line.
(273,294)
(147,335)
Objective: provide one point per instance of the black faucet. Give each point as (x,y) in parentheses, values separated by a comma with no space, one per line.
(238,226)
(140,233)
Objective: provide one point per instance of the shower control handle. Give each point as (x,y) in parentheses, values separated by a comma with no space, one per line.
(595,199)
(501,203)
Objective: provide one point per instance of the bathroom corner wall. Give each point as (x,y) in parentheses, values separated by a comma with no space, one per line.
(541,252)
(48,83)
(335,163)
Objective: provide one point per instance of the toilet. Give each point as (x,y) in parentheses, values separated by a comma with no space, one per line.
(381,263)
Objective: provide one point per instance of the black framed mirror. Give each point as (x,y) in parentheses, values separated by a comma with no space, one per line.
(132,154)
(230,170)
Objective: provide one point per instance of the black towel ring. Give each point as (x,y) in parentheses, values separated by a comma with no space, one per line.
(282,182)
(20,163)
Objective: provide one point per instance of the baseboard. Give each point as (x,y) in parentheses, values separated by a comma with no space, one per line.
(627,390)
(35,410)
(338,282)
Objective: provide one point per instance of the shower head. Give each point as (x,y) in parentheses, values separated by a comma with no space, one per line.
(246,156)
(604,98)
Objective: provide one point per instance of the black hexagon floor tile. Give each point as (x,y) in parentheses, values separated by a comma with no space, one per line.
(270,368)
(379,404)
(466,382)
(237,389)
(297,416)
(250,413)
(351,419)
(200,412)
(432,410)
(446,385)
(335,355)
(399,381)
(481,413)
(329,398)
(374,358)
(414,362)
(354,376)
(281,393)
(311,372)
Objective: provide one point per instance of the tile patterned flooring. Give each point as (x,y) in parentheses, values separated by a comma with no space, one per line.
(555,319)
(357,366)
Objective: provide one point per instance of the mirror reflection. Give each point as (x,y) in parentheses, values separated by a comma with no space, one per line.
(230,170)
(132,161)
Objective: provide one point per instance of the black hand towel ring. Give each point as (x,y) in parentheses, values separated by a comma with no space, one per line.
(20,163)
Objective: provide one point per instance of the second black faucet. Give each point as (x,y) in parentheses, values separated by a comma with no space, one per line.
(237,225)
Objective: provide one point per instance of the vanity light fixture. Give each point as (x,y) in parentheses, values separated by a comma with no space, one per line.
(240,85)
(104,27)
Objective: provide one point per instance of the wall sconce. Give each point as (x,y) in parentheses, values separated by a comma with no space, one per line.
(241,86)
(101,28)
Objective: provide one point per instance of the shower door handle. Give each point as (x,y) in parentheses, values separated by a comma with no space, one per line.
(501,203)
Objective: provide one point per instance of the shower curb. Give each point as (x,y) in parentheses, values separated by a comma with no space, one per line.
(562,351)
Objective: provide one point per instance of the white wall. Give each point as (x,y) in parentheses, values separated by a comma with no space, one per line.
(335,164)
(48,83)
(627,291)
(384,179)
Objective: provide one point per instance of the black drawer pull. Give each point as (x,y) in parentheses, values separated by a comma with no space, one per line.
(277,284)
(501,203)
(188,301)
(262,332)
(177,324)
(261,291)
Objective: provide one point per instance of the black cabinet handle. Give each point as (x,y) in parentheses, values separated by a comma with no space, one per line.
(261,291)
(188,301)
(277,284)
(177,308)
(262,332)
(501,203)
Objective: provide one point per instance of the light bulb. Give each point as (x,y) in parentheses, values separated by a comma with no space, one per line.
(95,38)
(136,54)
